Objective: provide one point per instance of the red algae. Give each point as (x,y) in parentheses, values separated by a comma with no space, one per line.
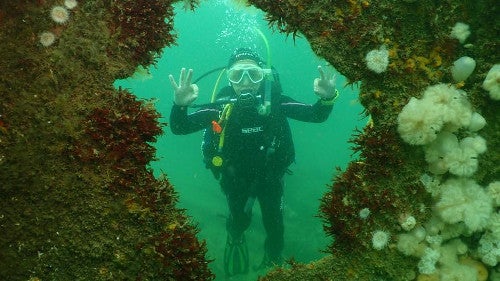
(79,201)
(383,180)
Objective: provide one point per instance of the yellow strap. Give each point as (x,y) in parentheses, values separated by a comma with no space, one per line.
(224,117)
(224,113)
(332,101)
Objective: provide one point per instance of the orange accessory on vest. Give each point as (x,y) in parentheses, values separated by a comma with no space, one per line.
(216,127)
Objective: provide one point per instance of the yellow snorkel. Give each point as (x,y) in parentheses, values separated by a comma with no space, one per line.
(268,49)
(214,91)
(265,107)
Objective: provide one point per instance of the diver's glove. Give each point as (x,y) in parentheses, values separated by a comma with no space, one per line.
(184,92)
(324,87)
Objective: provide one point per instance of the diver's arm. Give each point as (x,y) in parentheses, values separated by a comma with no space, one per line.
(324,88)
(182,123)
(315,113)
(185,93)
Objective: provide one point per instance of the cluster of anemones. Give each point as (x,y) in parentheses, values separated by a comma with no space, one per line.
(60,15)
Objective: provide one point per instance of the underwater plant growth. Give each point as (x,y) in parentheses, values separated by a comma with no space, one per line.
(391,194)
(78,200)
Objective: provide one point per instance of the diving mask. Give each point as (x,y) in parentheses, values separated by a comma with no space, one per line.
(236,73)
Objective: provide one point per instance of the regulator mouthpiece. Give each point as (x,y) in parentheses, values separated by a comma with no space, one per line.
(246,99)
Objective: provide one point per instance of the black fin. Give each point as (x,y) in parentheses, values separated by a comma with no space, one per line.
(236,259)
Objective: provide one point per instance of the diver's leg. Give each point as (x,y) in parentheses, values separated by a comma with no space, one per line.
(237,196)
(270,197)
(236,259)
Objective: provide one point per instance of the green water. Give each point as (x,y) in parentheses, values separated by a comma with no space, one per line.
(206,38)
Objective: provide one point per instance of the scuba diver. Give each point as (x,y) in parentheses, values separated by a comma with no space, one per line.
(248,145)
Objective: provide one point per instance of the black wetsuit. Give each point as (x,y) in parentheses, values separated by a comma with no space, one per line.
(257,151)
